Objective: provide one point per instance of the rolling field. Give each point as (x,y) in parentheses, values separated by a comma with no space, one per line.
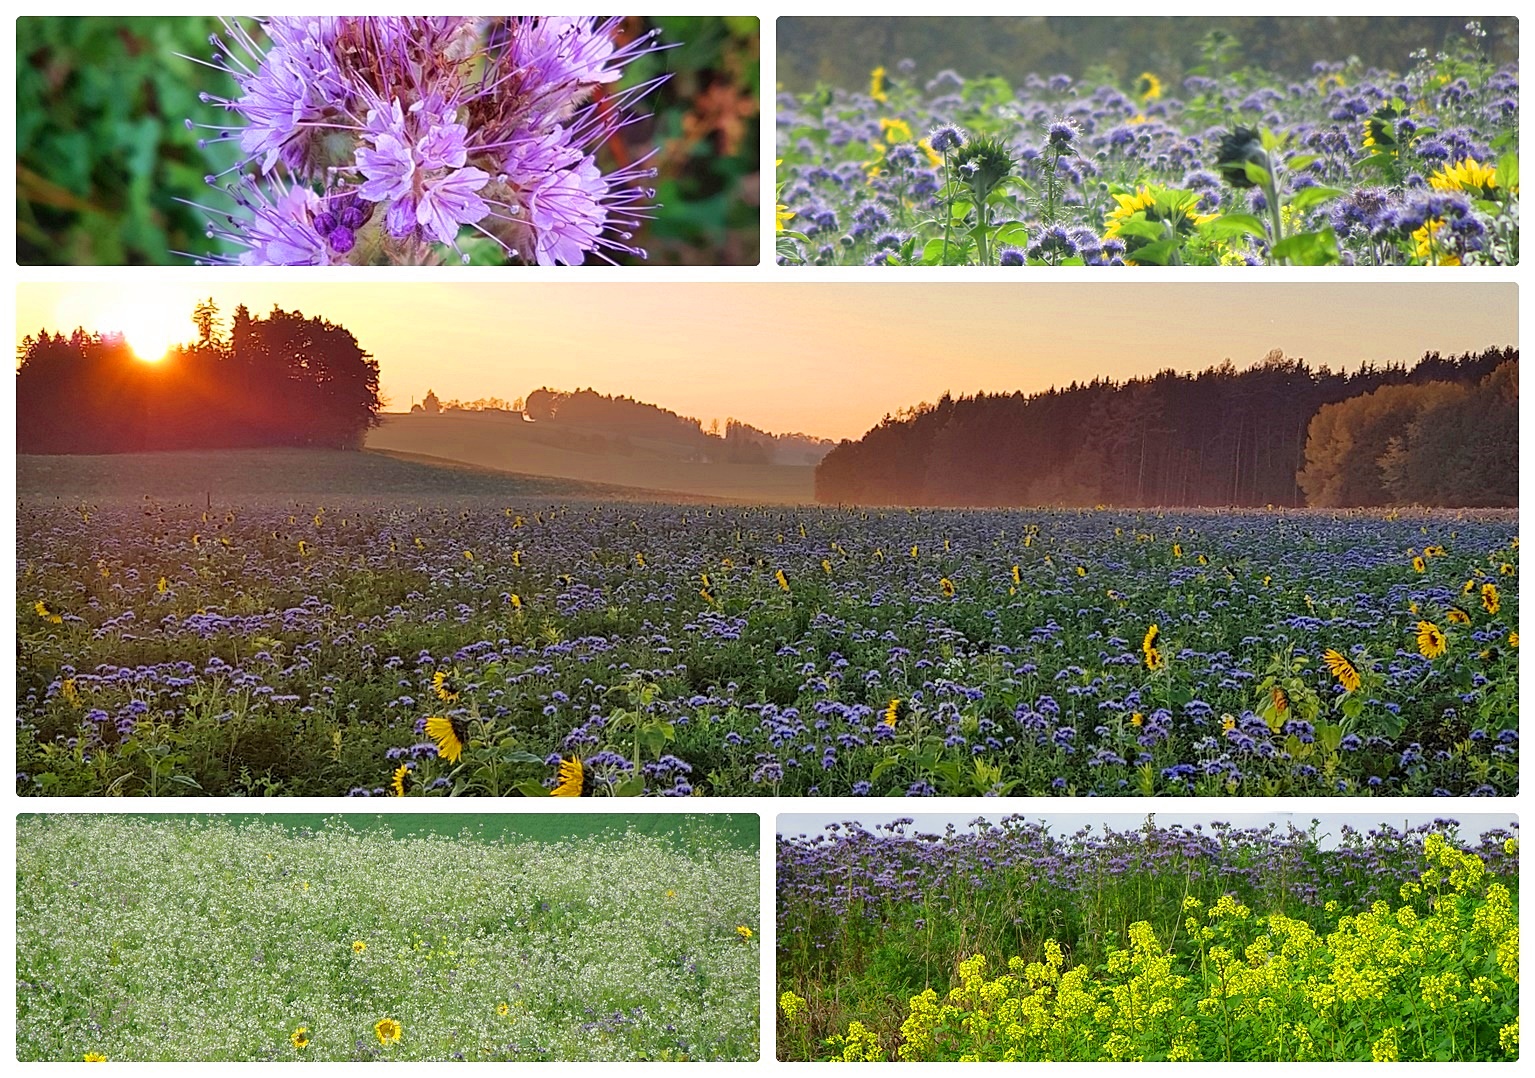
(231,476)
(567,452)
(477,644)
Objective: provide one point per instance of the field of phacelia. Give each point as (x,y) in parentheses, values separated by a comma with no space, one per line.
(1010,942)
(213,940)
(1348,166)
(471,647)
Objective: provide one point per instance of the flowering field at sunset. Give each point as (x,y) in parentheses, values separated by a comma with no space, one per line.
(472,646)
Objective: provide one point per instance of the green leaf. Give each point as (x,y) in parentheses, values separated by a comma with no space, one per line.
(1314,196)
(531,788)
(632,786)
(1235,224)
(1154,254)
(1257,174)
(1013,232)
(1309,248)
(1507,174)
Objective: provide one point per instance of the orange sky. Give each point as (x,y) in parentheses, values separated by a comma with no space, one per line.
(824,358)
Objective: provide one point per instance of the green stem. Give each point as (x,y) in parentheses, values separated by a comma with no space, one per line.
(948,206)
(983,249)
(1271,195)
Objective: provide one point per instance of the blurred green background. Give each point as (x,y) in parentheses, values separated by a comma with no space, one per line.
(841,51)
(103,152)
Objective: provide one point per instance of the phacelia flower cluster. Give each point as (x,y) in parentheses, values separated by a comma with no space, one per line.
(393,139)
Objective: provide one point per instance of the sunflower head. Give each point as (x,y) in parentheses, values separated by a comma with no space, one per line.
(387,1030)
(1148,87)
(1341,668)
(450,734)
(1431,641)
(445,686)
(1490,599)
(983,163)
(300,1037)
(573,778)
(401,781)
(1238,148)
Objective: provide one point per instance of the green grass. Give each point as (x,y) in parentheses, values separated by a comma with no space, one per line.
(214,939)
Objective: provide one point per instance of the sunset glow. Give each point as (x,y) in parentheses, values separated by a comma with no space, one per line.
(151,323)
(826,359)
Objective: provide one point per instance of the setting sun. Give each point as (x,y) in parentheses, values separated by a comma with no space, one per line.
(150,332)
(152,322)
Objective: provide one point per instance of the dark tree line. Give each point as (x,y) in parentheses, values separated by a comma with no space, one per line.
(284,379)
(841,50)
(1222,436)
(1438,443)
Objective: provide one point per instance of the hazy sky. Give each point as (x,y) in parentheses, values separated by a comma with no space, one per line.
(824,358)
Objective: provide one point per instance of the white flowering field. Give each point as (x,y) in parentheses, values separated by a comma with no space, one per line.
(201,938)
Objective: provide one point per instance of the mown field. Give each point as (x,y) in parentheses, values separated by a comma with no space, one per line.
(209,939)
(1014,942)
(497,645)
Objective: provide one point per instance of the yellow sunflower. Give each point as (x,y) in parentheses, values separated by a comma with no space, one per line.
(450,735)
(387,1030)
(877,85)
(300,1037)
(1469,176)
(445,686)
(1148,87)
(1427,247)
(1339,667)
(946,586)
(1431,642)
(1490,600)
(572,778)
(401,780)
(892,712)
(1150,649)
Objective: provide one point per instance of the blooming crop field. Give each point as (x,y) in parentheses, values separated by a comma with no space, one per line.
(470,647)
(203,939)
(1232,167)
(1009,942)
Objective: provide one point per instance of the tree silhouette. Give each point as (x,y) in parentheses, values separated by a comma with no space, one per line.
(1224,436)
(285,379)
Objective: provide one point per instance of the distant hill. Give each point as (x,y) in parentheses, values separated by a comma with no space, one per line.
(627,418)
(655,454)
